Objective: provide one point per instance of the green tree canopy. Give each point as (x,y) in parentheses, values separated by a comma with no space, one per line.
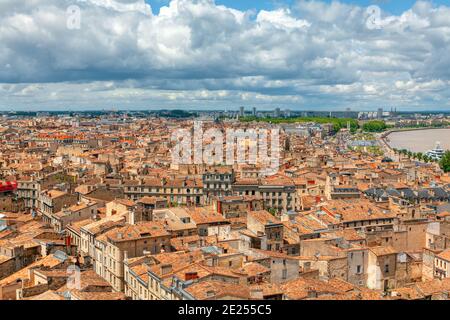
(375,126)
(445,162)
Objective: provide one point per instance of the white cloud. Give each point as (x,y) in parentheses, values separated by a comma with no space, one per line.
(281,19)
(122,5)
(312,54)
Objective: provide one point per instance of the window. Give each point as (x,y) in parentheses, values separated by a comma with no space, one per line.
(358,269)
(386,268)
(284,275)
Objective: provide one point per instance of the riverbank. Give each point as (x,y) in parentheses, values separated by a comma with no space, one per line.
(390,131)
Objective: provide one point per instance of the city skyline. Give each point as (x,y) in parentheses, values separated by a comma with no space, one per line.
(206,55)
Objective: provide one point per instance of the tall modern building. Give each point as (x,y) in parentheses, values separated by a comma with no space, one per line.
(380,113)
(254,111)
(277,112)
(241,111)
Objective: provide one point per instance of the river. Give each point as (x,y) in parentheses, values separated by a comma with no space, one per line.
(420,140)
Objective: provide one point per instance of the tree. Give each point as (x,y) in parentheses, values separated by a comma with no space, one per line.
(419,156)
(445,162)
(426,158)
(375,126)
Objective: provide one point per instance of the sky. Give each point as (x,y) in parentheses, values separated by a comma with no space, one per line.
(391,6)
(223,54)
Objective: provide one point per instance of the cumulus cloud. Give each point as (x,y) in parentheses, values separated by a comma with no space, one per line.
(195,52)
